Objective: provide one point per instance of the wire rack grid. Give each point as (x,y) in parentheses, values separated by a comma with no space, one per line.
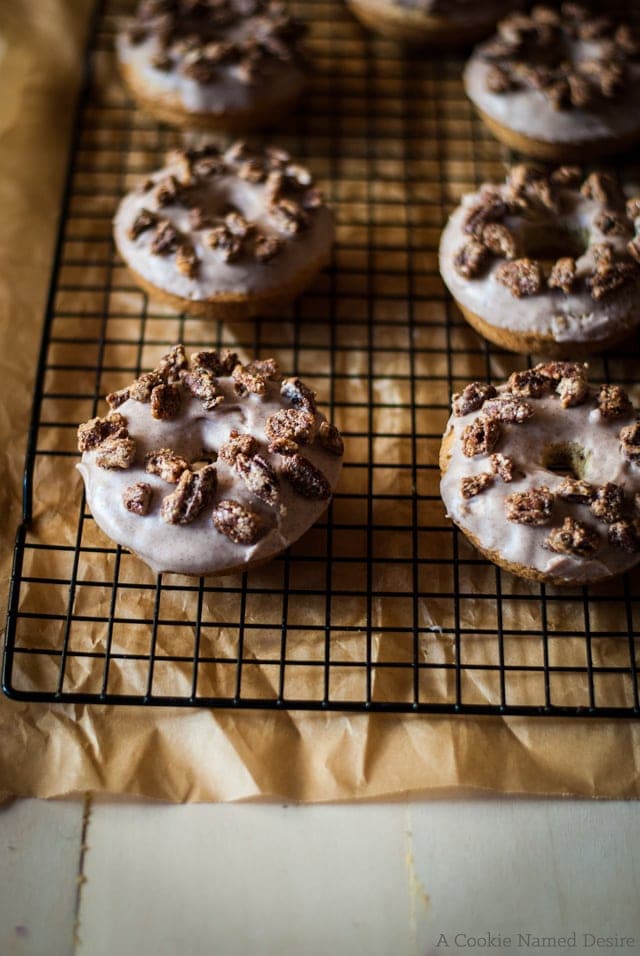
(383,606)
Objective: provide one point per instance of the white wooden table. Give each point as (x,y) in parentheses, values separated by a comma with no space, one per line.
(456,876)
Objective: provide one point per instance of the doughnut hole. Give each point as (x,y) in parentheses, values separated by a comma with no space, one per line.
(569,459)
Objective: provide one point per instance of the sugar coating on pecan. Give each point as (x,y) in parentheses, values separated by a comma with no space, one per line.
(608,503)
(563,275)
(530,383)
(295,424)
(203,385)
(508,408)
(573,390)
(254,376)
(630,441)
(166,464)
(625,535)
(573,537)
(471,259)
(97,430)
(259,478)
(165,402)
(473,485)
(500,241)
(472,397)
(116,452)
(145,220)
(503,466)
(522,277)
(533,507)
(577,490)
(299,394)
(240,524)
(481,436)
(305,478)
(330,439)
(193,493)
(218,363)
(613,402)
(238,444)
(137,498)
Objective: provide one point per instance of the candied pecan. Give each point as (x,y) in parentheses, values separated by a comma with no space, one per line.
(220,363)
(116,399)
(612,223)
(573,390)
(473,485)
(166,238)
(499,240)
(502,465)
(490,208)
(295,424)
(137,498)
(481,436)
(625,536)
(630,441)
(299,394)
(522,175)
(603,188)
(471,259)
(472,397)
(203,384)
(289,215)
(141,389)
(116,452)
(331,439)
(563,275)
(168,191)
(573,538)
(614,402)
(305,478)
(522,277)
(237,224)
(274,186)
(268,368)
(248,379)
(500,79)
(194,491)
(199,219)
(607,279)
(143,221)
(259,478)
(165,401)
(225,242)
(576,489)
(556,371)
(96,430)
(187,261)
(608,503)
(506,408)
(266,247)
(532,507)
(239,524)
(237,444)
(172,364)
(166,464)
(529,383)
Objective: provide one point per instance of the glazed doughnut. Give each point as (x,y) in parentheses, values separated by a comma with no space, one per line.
(542,474)
(225,235)
(232,65)
(559,85)
(448,22)
(209,465)
(546,262)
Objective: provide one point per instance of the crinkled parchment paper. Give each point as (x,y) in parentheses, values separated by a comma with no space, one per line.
(202,755)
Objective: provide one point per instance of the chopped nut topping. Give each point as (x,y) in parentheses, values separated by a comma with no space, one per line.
(283,446)
(294,424)
(199,219)
(305,478)
(193,493)
(97,430)
(248,378)
(299,394)
(331,439)
(137,498)
(225,242)
(289,215)
(500,241)
(481,436)
(173,364)
(259,478)
(187,261)
(165,401)
(532,507)
(506,408)
(238,444)
(472,397)
(473,485)
(116,452)
(530,383)
(573,390)
(490,208)
(221,364)
(608,503)
(253,171)
(166,464)
(614,402)
(625,536)
(166,239)
(522,277)
(203,384)
(630,441)
(503,466)
(116,399)
(603,188)
(576,489)
(239,524)
(168,192)
(141,389)
(563,275)
(144,220)
(471,259)
(573,538)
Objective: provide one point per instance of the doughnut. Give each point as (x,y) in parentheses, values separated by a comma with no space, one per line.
(231,65)
(448,22)
(546,262)
(225,235)
(559,85)
(542,474)
(207,465)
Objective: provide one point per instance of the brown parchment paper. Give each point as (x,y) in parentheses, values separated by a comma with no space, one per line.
(201,755)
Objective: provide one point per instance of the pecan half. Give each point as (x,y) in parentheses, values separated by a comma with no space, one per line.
(503,466)
(299,394)
(473,485)
(137,498)
(625,536)
(522,277)
(165,463)
(144,220)
(222,363)
(193,493)
(238,444)
(241,525)
(472,397)
(96,430)
(481,436)
(471,259)
(576,489)
(614,402)
(294,424)
(533,507)
(608,503)
(305,478)
(630,441)
(116,452)
(530,383)
(573,538)
(507,408)
(202,384)
(563,275)
(259,478)
(331,439)
(165,401)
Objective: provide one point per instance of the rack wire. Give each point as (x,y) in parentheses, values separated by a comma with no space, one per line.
(383,606)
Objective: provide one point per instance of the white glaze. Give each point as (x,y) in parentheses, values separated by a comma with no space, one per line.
(531,113)
(244,277)
(484,516)
(198,548)
(566,317)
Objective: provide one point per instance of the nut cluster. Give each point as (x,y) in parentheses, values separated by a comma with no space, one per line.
(165,388)
(608,504)
(194,36)
(531,193)
(536,52)
(289,196)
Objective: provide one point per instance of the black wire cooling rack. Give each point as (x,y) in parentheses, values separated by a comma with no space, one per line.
(383,606)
